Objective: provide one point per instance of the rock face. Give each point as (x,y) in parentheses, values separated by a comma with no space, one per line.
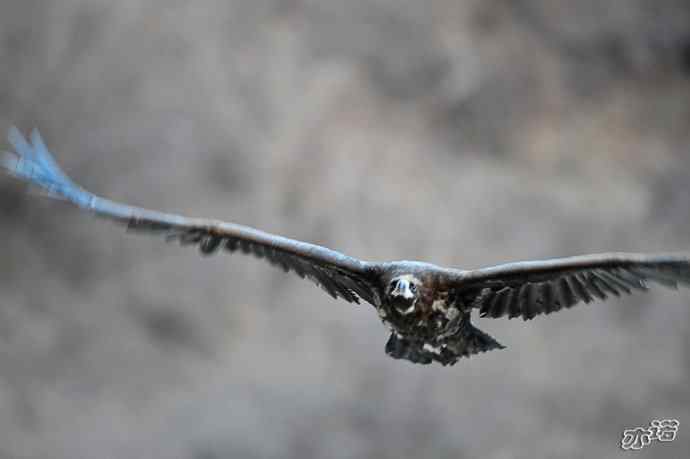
(460,133)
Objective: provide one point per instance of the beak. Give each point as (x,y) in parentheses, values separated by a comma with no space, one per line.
(402,288)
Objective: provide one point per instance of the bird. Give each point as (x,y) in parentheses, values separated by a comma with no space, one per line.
(427,308)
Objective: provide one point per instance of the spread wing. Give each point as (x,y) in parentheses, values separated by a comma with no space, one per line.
(526,289)
(339,275)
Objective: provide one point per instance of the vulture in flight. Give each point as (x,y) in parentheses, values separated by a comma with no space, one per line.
(427,308)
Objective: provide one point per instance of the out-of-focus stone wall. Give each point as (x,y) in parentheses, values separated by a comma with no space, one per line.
(461,133)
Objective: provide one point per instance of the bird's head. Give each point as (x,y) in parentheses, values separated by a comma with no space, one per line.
(403,292)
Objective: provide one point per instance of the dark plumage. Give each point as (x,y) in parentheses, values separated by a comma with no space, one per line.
(426,307)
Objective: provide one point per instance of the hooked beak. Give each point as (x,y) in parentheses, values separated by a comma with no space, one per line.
(402,288)
(403,296)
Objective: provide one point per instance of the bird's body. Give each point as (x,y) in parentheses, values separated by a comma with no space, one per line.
(435,308)
(436,326)
(426,307)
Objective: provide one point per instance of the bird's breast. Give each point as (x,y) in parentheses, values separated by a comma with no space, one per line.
(432,317)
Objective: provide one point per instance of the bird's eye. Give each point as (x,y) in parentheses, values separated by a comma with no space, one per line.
(413,288)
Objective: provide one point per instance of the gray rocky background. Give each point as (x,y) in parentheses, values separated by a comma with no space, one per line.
(465,133)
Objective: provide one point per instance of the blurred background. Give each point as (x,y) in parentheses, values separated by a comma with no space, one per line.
(461,133)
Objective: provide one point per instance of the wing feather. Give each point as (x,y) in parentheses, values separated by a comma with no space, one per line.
(527,289)
(547,296)
(339,275)
(588,281)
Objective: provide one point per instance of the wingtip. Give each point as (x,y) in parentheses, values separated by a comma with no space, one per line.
(16,138)
(14,161)
(25,144)
(12,132)
(28,148)
(36,138)
(31,161)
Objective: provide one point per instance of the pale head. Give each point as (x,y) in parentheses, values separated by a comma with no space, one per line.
(403,292)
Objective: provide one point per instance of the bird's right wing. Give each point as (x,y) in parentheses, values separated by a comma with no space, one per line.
(339,275)
(526,289)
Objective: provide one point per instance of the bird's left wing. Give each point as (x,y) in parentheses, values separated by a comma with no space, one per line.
(526,289)
(339,275)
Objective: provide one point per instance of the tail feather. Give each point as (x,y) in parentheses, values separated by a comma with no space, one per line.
(465,342)
(468,341)
(472,340)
